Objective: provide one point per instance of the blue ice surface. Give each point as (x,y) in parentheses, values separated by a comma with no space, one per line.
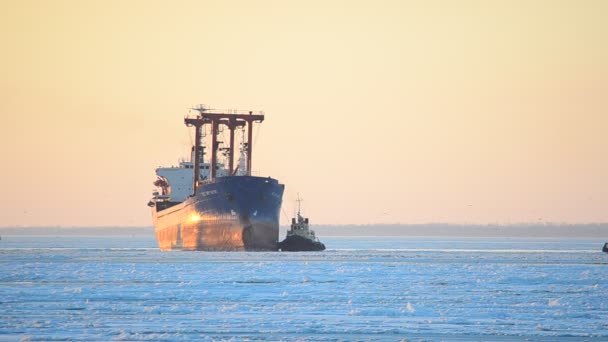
(388,288)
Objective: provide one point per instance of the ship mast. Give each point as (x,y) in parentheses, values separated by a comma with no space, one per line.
(197,156)
(299,200)
(215,119)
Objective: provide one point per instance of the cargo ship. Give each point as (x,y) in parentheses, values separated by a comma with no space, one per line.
(215,206)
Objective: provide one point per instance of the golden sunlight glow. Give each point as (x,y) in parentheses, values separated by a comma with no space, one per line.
(195,217)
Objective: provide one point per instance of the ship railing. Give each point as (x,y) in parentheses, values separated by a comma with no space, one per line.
(207,181)
(204,182)
(229,111)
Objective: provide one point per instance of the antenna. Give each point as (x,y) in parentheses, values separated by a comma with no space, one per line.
(201,108)
(299,200)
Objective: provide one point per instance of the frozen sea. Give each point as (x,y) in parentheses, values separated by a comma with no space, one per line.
(360,289)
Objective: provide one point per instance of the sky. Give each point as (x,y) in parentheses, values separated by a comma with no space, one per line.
(376,111)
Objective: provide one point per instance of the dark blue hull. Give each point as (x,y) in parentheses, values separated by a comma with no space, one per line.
(295,243)
(227,214)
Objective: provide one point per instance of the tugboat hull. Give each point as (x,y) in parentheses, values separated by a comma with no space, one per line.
(295,243)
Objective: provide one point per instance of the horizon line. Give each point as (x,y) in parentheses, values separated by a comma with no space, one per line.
(501,224)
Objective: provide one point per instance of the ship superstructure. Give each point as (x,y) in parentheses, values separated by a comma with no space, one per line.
(202,205)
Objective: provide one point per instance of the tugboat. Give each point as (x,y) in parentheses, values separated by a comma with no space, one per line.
(605,249)
(300,238)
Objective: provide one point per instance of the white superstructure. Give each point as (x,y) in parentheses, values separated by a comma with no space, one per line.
(179,179)
(176,182)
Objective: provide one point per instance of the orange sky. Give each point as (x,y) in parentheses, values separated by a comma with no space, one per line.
(376,111)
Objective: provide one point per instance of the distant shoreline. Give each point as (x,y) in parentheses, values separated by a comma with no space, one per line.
(594,230)
(591,230)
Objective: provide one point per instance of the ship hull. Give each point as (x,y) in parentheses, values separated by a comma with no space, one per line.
(295,243)
(238,213)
